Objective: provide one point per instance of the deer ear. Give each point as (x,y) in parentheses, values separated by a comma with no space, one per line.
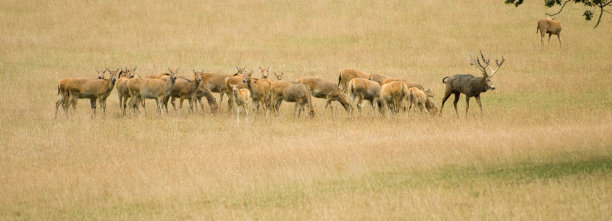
(269,67)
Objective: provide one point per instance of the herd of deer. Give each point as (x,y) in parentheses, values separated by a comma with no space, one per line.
(242,89)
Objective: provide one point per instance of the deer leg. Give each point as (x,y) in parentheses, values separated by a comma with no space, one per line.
(59,102)
(479,104)
(455,103)
(467,105)
(103,106)
(549,34)
(92,101)
(173,103)
(446,96)
(559,37)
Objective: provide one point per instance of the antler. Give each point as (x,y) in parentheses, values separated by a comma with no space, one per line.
(476,61)
(499,64)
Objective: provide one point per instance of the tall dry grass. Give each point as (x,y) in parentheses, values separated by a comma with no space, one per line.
(542,149)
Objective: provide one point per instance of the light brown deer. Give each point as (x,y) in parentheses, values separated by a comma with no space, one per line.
(282,90)
(469,85)
(410,84)
(122,89)
(347,75)
(364,89)
(380,78)
(236,79)
(215,83)
(260,90)
(92,89)
(419,98)
(241,97)
(321,88)
(394,94)
(204,91)
(150,88)
(185,88)
(63,92)
(550,27)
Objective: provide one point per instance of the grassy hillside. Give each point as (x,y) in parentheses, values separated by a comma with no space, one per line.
(541,150)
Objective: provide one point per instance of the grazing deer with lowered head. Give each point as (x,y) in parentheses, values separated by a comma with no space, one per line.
(364,89)
(550,27)
(321,88)
(394,94)
(469,85)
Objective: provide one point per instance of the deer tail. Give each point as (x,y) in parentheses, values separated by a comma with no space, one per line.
(444,79)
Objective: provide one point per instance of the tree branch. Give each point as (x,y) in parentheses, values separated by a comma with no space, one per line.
(601,10)
(563,6)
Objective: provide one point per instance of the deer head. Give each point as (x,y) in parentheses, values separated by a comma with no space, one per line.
(265,72)
(482,64)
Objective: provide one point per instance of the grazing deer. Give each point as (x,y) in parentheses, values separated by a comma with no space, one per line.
(63,92)
(420,98)
(151,88)
(185,88)
(347,75)
(410,84)
(259,88)
(92,89)
(380,78)
(364,89)
(236,78)
(241,97)
(215,83)
(469,85)
(394,93)
(550,27)
(122,89)
(321,88)
(282,90)
(204,91)
(431,107)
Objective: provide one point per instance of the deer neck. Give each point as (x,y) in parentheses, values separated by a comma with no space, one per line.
(482,84)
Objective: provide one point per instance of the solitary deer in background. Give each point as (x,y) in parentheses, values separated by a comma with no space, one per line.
(469,85)
(550,27)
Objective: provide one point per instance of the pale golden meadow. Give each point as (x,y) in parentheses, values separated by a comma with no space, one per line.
(541,151)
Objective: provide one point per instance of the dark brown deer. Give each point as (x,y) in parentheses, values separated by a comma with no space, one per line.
(469,85)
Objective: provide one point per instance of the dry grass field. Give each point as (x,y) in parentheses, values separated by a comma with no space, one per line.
(541,151)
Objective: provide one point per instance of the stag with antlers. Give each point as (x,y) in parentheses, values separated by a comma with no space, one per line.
(470,85)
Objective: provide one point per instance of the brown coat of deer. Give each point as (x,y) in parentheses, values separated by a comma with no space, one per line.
(62,90)
(550,27)
(394,94)
(236,79)
(380,78)
(469,85)
(321,88)
(347,75)
(122,89)
(185,88)
(92,89)
(151,88)
(410,84)
(259,89)
(364,89)
(241,97)
(282,90)
(420,99)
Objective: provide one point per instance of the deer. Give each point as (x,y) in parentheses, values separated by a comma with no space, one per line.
(92,89)
(347,75)
(380,78)
(151,88)
(259,89)
(236,78)
(321,88)
(550,27)
(185,88)
(122,89)
(420,99)
(279,76)
(204,91)
(241,97)
(63,92)
(393,94)
(470,85)
(212,82)
(364,89)
(410,84)
(282,90)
